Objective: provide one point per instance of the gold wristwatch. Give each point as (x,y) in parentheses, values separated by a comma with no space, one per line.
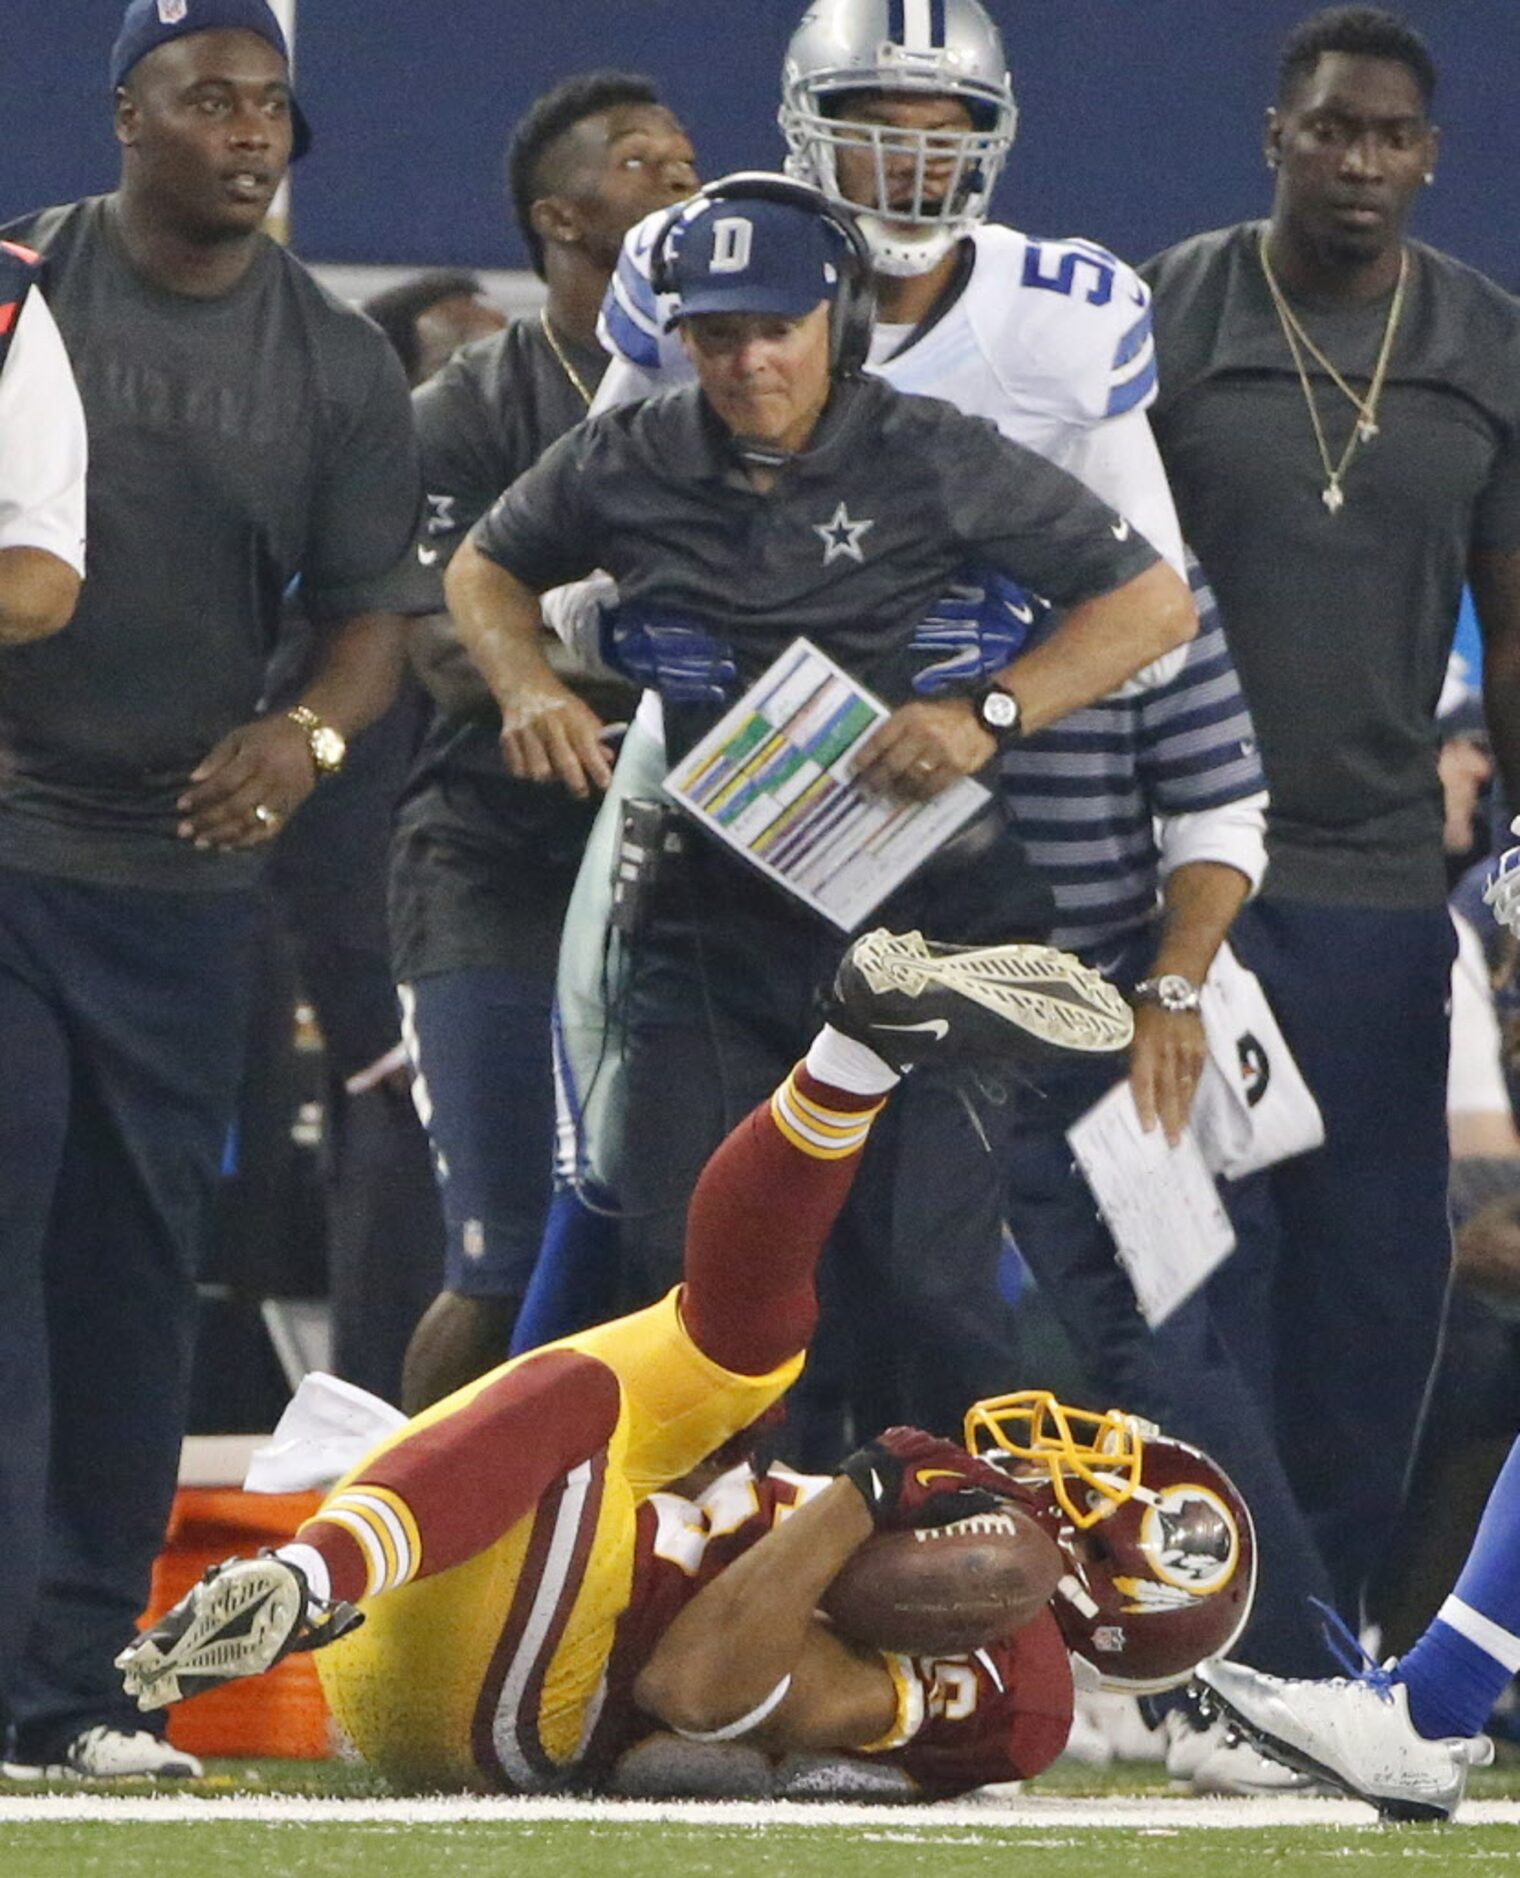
(328,746)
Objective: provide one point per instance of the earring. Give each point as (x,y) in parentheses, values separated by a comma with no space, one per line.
(1430,176)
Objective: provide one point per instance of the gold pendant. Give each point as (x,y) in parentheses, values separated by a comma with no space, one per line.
(1332,498)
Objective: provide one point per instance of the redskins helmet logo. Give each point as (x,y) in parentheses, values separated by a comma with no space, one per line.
(1190,1539)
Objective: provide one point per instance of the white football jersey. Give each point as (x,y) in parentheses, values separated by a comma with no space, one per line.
(1050,340)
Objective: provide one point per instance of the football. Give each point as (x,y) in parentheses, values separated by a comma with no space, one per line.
(944,1590)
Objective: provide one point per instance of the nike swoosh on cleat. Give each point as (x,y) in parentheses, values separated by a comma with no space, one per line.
(938,1026)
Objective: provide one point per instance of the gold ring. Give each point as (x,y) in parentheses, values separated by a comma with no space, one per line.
(265,816)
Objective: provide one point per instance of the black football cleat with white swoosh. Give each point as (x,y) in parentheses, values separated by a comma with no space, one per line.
(243,1617)
(914,1000)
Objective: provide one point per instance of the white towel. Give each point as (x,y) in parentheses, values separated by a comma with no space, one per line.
(328,1427)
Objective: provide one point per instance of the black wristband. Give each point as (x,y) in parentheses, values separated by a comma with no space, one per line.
(997,711)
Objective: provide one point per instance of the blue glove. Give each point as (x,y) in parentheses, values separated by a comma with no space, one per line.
(678,655)
(980,625)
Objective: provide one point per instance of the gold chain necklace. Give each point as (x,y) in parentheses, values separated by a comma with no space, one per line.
(564,364)
(1366,426)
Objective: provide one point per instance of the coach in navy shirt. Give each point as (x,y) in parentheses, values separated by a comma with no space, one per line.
(785,494)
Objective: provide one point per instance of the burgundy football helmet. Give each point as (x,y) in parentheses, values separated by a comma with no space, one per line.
(1159,1541)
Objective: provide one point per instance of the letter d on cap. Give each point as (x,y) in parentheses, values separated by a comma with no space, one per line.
(733,237)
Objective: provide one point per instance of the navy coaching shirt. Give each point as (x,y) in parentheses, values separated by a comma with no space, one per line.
(860,535)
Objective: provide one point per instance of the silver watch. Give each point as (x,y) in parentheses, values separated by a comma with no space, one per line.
(1171,991)
(997,711)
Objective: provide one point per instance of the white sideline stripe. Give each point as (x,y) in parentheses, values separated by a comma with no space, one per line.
(994,1814)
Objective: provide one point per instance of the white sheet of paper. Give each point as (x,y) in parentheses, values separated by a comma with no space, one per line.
(1160,1202)
(775,781)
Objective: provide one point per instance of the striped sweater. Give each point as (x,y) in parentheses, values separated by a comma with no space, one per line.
(1086,794)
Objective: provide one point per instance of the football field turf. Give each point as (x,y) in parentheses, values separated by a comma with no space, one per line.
(284,1821)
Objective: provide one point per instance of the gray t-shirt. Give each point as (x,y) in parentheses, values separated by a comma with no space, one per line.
(236,444)
(1340,624)
(483,863)
(862,532)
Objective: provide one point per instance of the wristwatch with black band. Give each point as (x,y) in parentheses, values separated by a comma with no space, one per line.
(1170,991)
(997,711)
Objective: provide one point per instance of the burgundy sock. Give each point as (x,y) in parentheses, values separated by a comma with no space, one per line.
(759,1218)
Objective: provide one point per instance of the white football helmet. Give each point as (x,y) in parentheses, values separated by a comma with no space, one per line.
(927,48)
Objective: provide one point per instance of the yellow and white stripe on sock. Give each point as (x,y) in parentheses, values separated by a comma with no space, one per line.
(826,1134)
(911,1709)
(383,1527)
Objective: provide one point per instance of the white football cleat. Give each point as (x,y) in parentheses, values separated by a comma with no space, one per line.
(241,1619)
(1213,1758)
(1356,1735)
(106,1753)
(1237,1767)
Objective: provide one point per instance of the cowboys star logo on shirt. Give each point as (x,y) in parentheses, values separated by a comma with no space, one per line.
(841,536)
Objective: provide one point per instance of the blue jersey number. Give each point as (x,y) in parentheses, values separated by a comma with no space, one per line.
(1069,269)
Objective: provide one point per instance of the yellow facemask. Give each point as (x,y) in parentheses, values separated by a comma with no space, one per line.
(1093,1460)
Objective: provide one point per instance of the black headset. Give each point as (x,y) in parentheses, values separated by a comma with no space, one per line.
(854,309)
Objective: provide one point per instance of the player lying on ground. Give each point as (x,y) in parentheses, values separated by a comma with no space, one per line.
(535,1604)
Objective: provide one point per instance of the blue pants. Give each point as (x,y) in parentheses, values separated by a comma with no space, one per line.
(1338,1288)
(480,1044)
(122,1014)
(1182,1375)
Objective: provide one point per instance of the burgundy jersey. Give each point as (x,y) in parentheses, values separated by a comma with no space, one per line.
(1002,1713)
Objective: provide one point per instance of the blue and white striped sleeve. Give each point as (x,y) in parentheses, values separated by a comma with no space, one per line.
(1132,374)
(1198,743)
(629,326)
(1199,752)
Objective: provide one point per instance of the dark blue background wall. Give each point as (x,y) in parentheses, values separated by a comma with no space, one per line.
(1141,117)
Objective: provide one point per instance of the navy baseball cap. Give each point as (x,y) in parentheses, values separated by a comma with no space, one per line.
(753,255)
(149,24)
